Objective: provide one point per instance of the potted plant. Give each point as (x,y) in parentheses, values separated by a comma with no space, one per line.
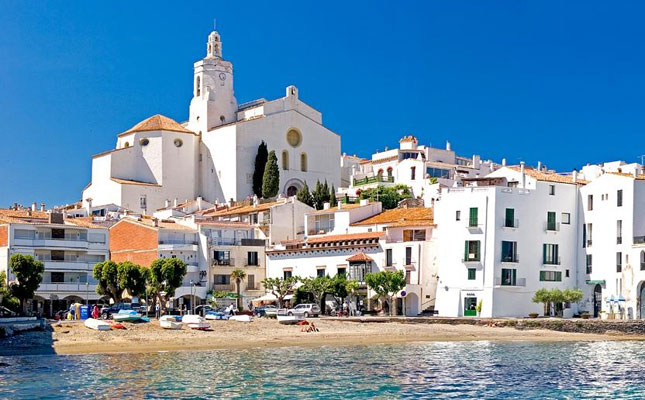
(478,308)
(533,315)
(585,315)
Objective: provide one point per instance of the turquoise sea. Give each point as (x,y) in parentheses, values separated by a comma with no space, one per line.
(481,370)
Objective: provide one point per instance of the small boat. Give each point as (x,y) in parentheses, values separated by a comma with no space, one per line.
(126,316)
(195,322)
(288,319)
(212,315)
(169,322)
(240,318)
(97,325)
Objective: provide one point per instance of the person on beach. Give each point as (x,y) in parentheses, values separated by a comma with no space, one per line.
(157,311)
(95,312)
(72,311)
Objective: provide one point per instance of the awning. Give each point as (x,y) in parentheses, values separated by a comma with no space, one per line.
(270,297)
(599,282)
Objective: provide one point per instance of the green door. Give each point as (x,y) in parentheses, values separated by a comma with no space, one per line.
(470,305)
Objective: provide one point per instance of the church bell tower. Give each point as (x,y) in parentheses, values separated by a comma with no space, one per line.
(213,102)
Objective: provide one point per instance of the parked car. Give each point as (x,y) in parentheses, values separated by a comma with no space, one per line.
(203,309)
(266,311)
(107,312)
(305,310)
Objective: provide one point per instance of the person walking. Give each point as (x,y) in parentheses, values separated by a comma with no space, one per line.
(157,311)
(95,312)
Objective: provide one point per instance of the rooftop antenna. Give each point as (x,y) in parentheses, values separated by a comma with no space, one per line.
(642,157)
(214,24)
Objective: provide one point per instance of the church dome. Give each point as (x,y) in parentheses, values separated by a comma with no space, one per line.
(158,123)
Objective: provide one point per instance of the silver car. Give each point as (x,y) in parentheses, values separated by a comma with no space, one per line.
(305,310)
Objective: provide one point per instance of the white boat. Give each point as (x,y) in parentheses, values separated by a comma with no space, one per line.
(169,322)
(97,325)
(195,322)
(126,316)
(240,318)
(288,319)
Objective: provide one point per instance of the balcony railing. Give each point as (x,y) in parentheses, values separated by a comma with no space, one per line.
(639,239)
(80,288)
(67,236)
(551,226)
(518,282)
(224,262)
(552,261)
(227,287)
(511,258)
(68,259)
(473,259)
(372,179)
(510,223)
(224,242)
(184,242)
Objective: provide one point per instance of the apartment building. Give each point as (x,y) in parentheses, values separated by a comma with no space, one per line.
(68,247)
(503,237)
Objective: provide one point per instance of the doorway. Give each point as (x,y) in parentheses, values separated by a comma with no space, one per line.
(470,306)
(641,301)
(597,300)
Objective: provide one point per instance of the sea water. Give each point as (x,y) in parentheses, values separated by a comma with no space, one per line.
(491,370)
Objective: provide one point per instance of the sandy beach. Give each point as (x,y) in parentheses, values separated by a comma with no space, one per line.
(75,338)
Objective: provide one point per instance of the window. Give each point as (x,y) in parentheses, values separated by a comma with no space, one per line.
(286,274)
(509,277)
(250,282)
(471,250)
(143,202)
(550,254)
(408,256)
(285,160)
(472,274)
(438,173)
(458,215)
(222,279)
(566,273)
(643,260)
(294,138)
(252,258)
(144,141)
(222,257)
(551,190)
(589,263)
(550,221)
(413,171)
(590,202)
(358,270)
(472,220)
(57,255)
(341,271)
(320,272)
(388,257)
(509,251)
(198,88)
(619,262)
(24,234)
(550,276)
(414,235)
(589,234)
(509,218)
(408,277)
(389,174)
(58,277)
(584,235)
(619,231)
(303,162)
(619,198)
(178,142)
(566,218)
(126,144)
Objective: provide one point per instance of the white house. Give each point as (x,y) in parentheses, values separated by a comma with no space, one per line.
(213,154)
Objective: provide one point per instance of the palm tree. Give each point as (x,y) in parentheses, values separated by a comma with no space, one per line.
(238,275)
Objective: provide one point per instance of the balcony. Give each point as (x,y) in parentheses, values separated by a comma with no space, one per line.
(472,258)
(46,240)
(552,261)
(510,223)
(80,288)
(372,179)
(224,242)
(225,287)
(510,258)
(519,282)
(178,245)
(68,263)
(552,226)
(253,242)
(639,239)
(224,262)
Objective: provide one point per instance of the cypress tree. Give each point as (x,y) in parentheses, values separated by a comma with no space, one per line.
(325,192)
(332,197)
(258,173)
(271,177)
(318,196)
(304,196)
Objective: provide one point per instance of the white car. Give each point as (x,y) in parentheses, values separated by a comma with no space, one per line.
(305,310)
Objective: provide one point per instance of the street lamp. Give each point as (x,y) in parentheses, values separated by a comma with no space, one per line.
(87,293)
(192,298)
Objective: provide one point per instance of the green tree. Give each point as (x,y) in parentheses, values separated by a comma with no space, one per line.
(258,173)
(238,276)
(271,177)
(29,274)
(166,275)
(389,196)
(280,287)
(132,277)
(106,273)
(325,192)
(572,295)
(386,284)
(333,202)
(304,196)
(6,298)
(318,287)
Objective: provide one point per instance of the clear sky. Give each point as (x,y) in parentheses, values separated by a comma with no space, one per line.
(560,82)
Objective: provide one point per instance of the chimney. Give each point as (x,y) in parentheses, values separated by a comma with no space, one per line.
(199,203)
(539,168)
(255,200)
(364,202)
(325,206)
(503,162)
(42,206)
(167,203)
(56,218)
(523,174)
(635,172)
(175,202)
(15,206)
(340,205)
(448,146)
(33,206)
(231,203)
(155,222)
(574,176)
(89,206)
(476,160)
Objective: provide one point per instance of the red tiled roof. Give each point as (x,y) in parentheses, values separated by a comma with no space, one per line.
(157,123)
(410,216)
(347,236)
(360,257)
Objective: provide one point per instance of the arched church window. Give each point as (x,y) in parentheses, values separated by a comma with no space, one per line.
(126,144)
(198,88)
(222,118)
(178,142)
(389,171)
(294,138)
(303,162)
(144,141)
(285,160)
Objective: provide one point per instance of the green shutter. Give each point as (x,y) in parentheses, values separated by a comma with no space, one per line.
(477,250)
(514,281)
(558,276)
(466,250)
(544,253)
(510,217)
(473,217)
(541,276)
(550,220)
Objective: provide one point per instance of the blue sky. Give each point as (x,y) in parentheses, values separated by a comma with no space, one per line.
(559,82)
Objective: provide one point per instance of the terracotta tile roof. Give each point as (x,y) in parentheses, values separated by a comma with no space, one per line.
(408,139)
(86,222)
(386,159)
(360,257)
(347,236)
(239,210)
(626,175)
(343,207)
(161,224)
(131,182)
(225,224)
(407,216)
(157,123)
(547,176)
(8,216)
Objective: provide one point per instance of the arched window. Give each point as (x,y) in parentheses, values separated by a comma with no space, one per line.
(285,160)
(126,144)
(389,172)
(380,172)
(198,87)
(303,162)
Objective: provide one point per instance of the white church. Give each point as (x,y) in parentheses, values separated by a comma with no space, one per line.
(212,155)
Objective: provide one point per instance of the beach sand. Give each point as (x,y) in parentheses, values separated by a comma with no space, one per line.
(75,338)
